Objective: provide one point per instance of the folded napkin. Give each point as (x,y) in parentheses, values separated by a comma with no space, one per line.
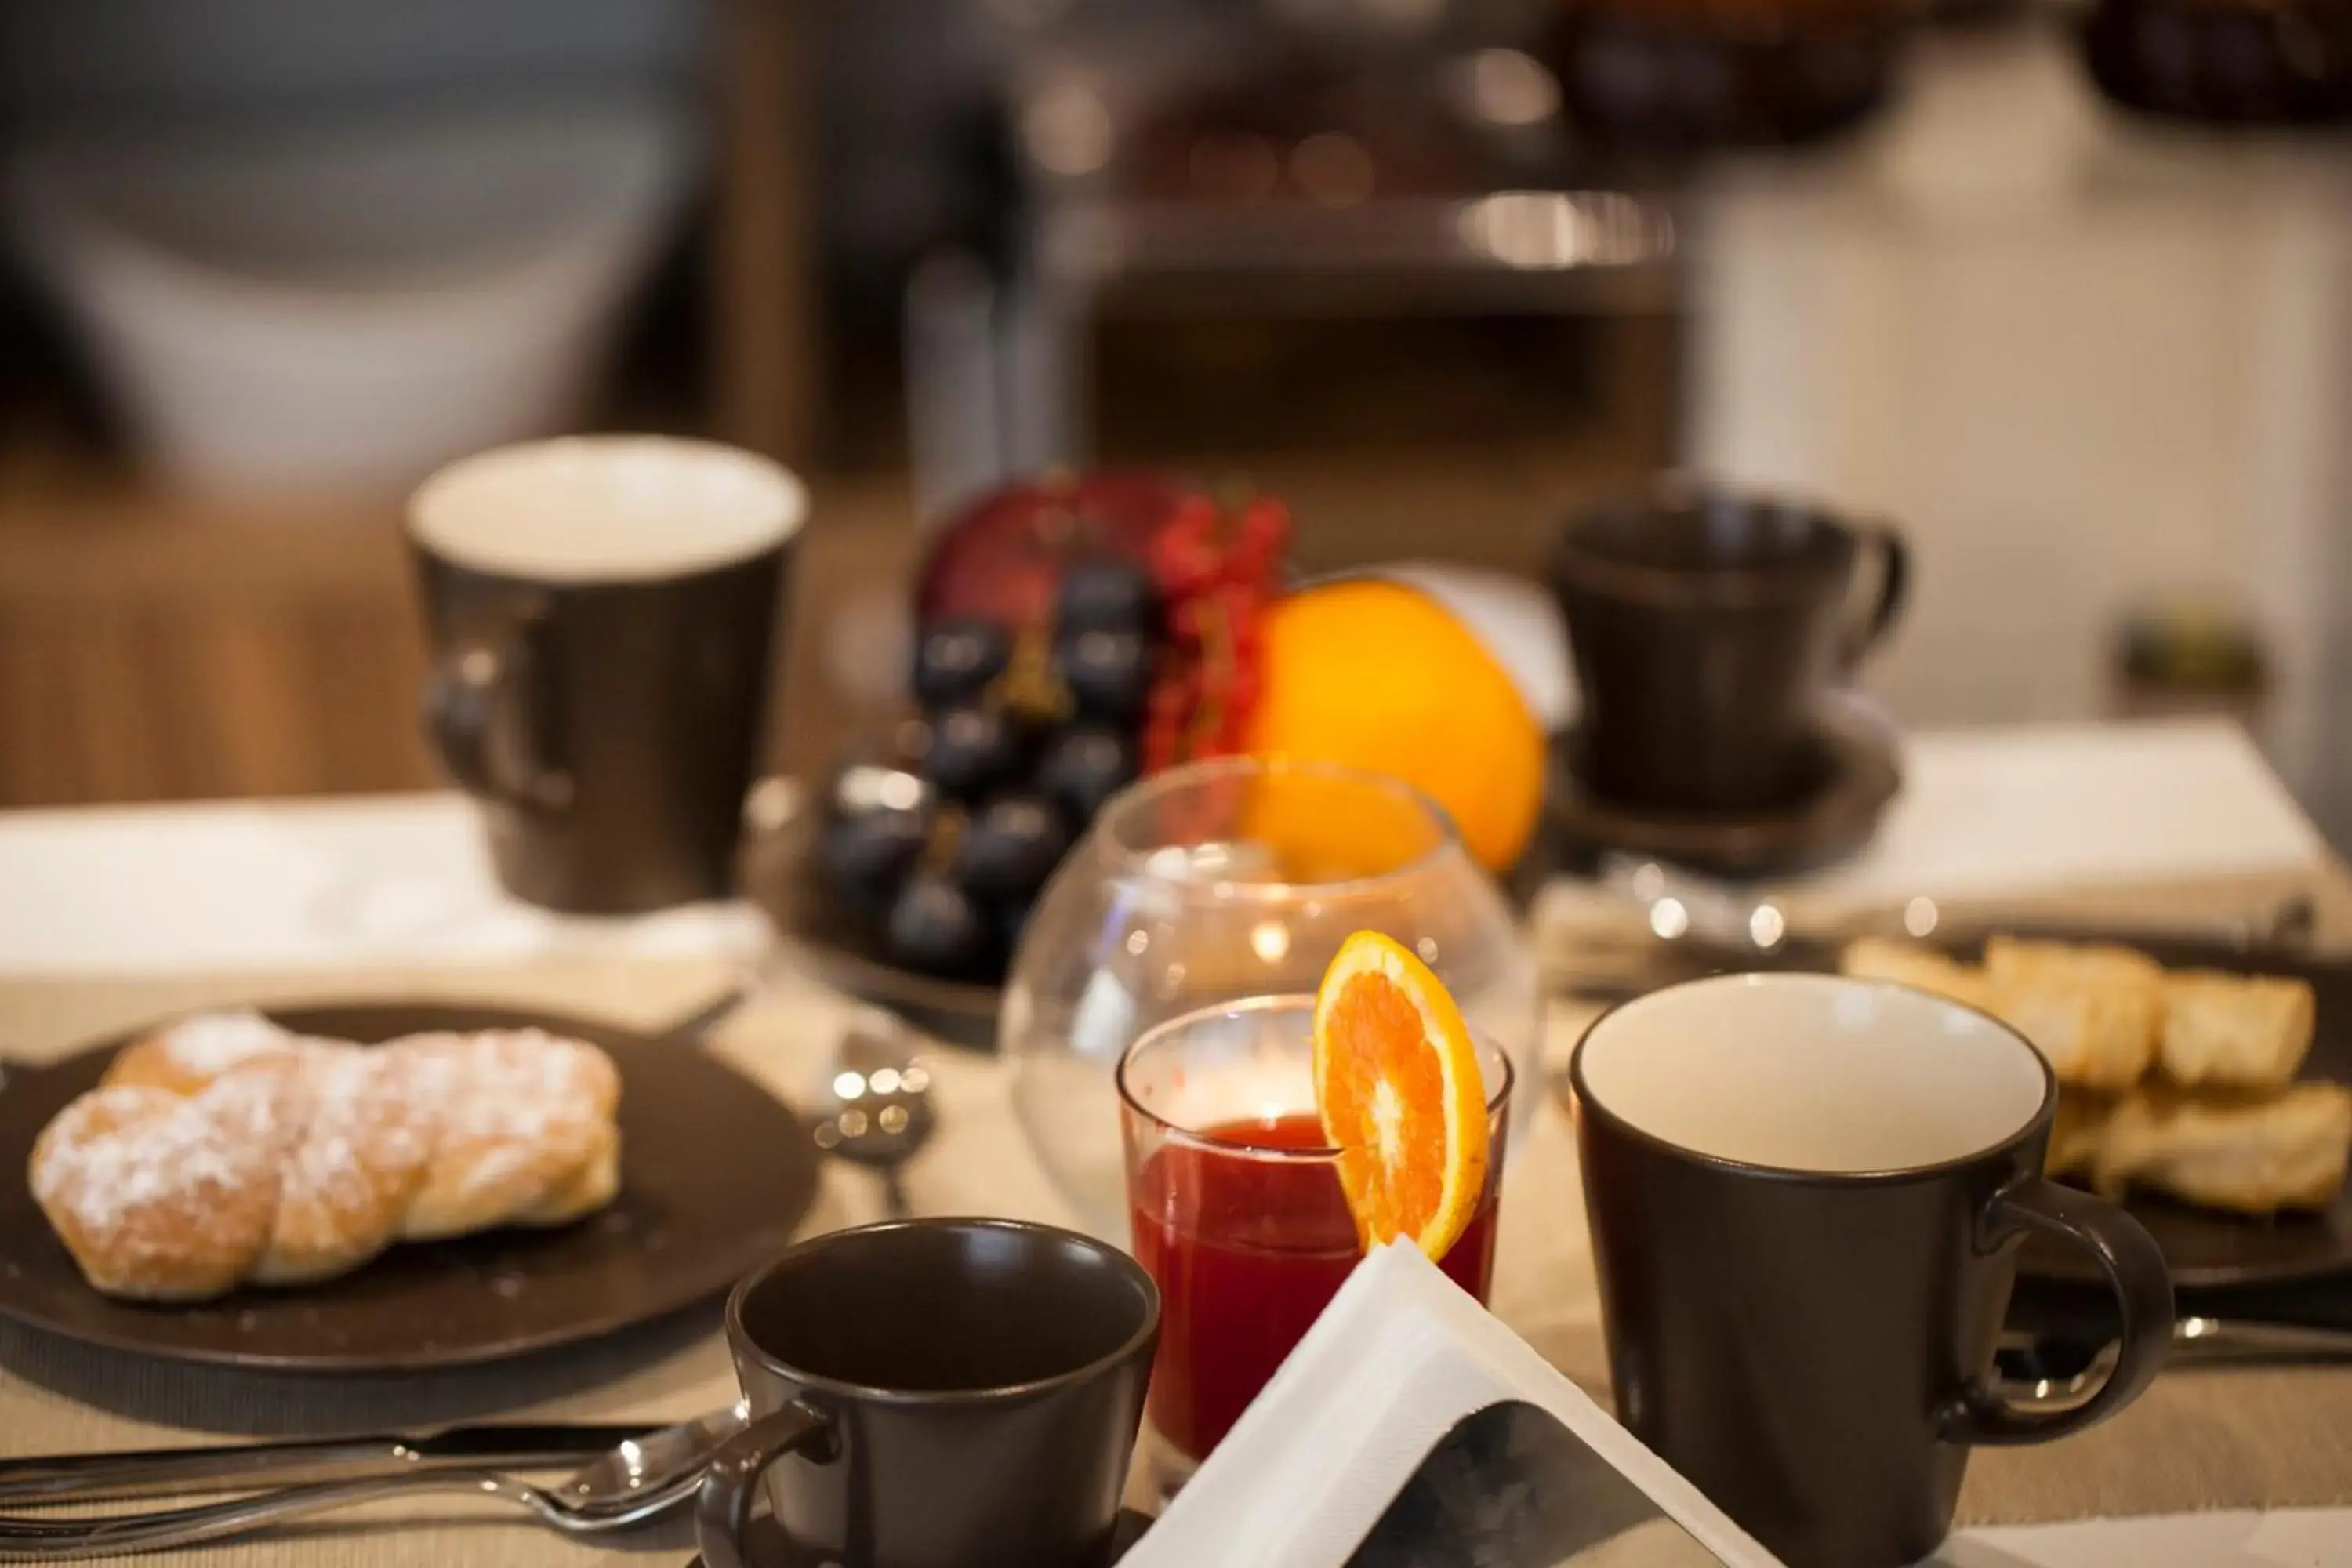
(2003,813)
(349,883)
(2174,822)
(1399,1359)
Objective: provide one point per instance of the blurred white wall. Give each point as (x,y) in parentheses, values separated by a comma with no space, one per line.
(2078,358)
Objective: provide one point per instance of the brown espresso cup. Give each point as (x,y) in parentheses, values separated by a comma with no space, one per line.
(936,1394)
(1708,627)
(601,611)
(1807,1194)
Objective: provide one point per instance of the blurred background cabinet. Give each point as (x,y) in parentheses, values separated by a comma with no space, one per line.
(1354,250)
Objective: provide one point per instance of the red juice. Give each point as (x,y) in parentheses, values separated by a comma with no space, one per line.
(1247,1252)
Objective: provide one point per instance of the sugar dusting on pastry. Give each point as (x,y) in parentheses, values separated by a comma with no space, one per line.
(224,1150)
(211,1043)
(526,1114)
(164,1196)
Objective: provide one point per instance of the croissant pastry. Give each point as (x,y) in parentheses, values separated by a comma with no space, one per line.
(222,1150)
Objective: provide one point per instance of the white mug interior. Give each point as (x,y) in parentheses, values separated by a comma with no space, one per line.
(601,508)
(1814,1073)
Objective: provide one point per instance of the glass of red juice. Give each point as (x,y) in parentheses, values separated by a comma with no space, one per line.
(1236,1208)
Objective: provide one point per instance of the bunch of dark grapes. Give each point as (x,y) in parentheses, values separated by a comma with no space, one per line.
(1025,733)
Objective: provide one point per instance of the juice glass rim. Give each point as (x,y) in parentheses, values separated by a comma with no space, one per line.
(1497,1100)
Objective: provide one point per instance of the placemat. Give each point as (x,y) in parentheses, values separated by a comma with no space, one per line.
(2203,1439)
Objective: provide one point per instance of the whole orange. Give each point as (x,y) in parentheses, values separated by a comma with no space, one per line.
(1379,675)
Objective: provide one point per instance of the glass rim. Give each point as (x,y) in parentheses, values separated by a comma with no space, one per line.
(1498,1102)
(1137,859)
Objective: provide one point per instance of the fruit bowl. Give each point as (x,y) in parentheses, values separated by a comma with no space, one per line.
(1073,634)
(813,929)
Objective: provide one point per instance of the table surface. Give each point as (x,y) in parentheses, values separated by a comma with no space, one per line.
(2250,1449)
(1993,815)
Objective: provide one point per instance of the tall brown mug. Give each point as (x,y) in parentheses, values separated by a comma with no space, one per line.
(601,612)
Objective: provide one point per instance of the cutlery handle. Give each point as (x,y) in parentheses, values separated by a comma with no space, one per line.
(60,1539)
(2203,1339)
(160,1472)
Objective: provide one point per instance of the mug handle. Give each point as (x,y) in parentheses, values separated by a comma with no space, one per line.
(2137,1273)
(1894,590)
(722,1507)
(476,710)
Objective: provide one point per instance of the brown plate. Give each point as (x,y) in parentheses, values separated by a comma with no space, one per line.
(2207,1249)
(715,1175)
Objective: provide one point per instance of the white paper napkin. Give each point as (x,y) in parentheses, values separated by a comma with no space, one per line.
(1399,1357)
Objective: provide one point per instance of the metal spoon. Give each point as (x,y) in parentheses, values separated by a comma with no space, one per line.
(2040,1374)
(879,1111)
(626,1487)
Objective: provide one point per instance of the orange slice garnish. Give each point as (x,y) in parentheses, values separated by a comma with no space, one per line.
(1398,1087)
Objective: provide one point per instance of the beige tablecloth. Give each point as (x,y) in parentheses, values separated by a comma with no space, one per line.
(2200,1439)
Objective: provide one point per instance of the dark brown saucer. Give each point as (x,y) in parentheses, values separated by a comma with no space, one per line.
(769,1549)
(715,1176)
(1859,773)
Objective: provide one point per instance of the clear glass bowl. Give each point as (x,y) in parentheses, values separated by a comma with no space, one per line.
(1229,880)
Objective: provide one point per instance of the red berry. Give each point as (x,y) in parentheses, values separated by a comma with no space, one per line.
(1185,557)
(1184,621)
(1264,523)
(1168,704)
(1263,517)
(1182,568)
(1193,513)
(1242,604)
(1261,535)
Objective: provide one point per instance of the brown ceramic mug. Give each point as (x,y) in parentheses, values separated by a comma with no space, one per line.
(936,1394)
(601,611)
(1806,1196)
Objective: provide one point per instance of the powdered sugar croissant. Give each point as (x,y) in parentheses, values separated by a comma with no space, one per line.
(222,1150)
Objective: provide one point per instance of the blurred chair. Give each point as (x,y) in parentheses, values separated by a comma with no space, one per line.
(346,302)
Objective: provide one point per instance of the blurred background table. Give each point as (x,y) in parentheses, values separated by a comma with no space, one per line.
(2087,359)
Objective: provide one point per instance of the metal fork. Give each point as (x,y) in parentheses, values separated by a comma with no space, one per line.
(632,1483)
